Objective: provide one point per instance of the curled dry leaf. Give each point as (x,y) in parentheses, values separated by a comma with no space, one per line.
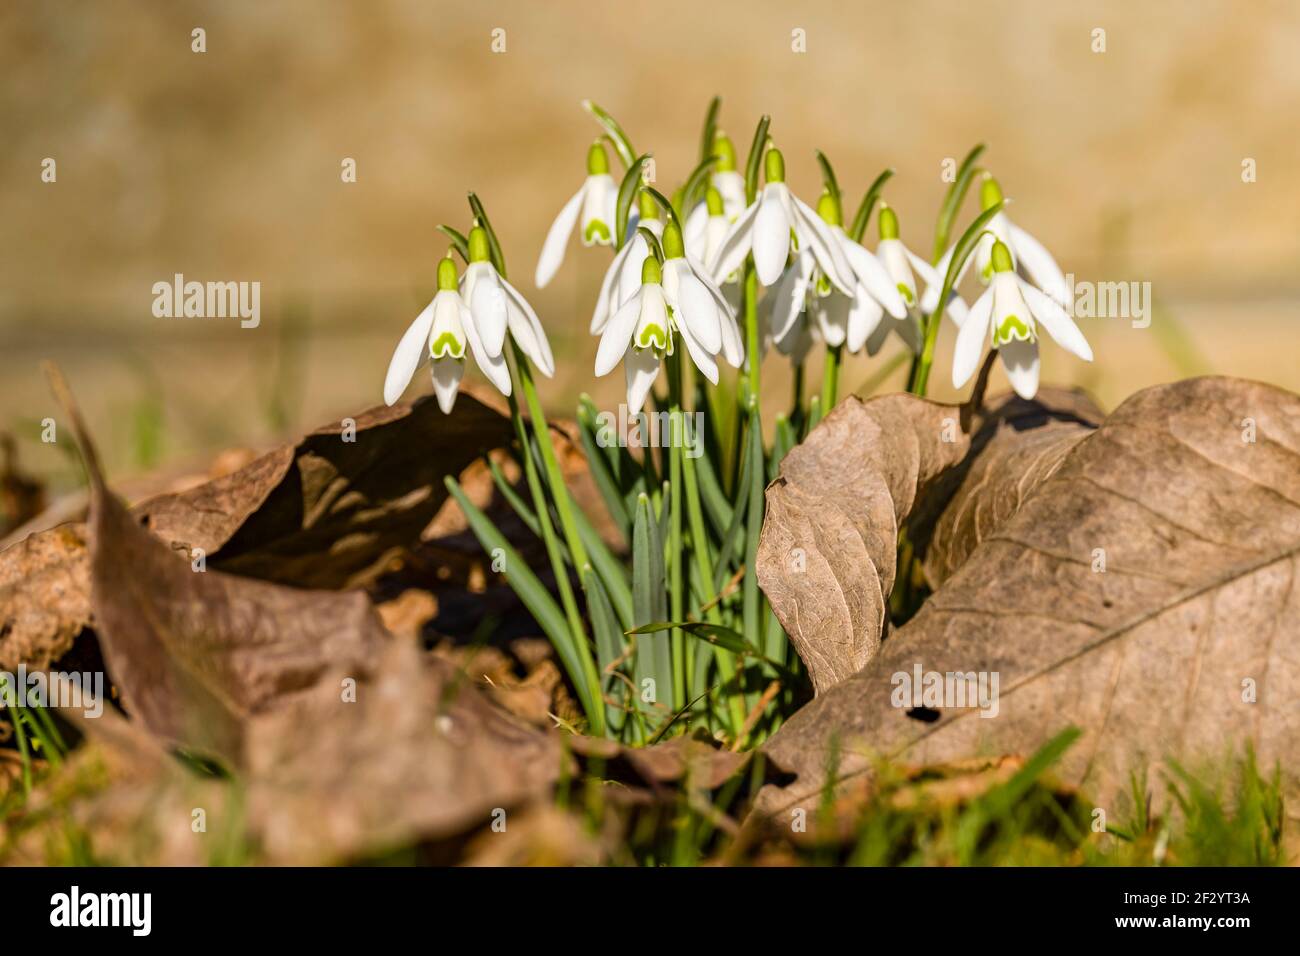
(1144,592)
(827,551)
(673,761)
(194,652)
(329,511)
(324,512)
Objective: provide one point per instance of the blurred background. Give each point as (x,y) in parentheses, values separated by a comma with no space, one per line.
(225,166)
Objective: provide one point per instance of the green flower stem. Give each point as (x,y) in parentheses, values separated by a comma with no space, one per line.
(753,345)
(592,698)
(831,377)
(704,564)
(676,597)
(554,476)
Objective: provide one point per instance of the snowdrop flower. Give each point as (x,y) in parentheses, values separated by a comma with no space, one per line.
(727,183)
(698,307)
(840,319)
(623,277)
(591,208)
(441,332)
(1027,253)
(707,226)
(766,228)
(496,306)
(672,300)
(903,265)
(1010,310)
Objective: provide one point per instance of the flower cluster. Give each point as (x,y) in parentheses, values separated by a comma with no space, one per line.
(732,263)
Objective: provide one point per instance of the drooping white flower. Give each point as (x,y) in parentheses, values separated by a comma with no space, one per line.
(699,308)
(496,307)
(1028,255)
(903,265)
(623,277)
(591,208)
(1010,311)
(642,332)
(441,332)
(766,228)
(840,319)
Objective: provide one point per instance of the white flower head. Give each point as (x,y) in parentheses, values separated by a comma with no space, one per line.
(623,277)
(498,307)
(591,209)
(840,319)
(767,227)
(903,266)
(1009,313)
(1028,256)
(441,333)
(675,298)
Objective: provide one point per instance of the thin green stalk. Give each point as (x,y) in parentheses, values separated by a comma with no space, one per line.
(831,376)
(704,565)
(675,550)
(554,476)
(596,713)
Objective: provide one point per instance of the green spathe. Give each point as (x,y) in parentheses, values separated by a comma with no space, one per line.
(674,247)
(1000,259)
(447,279)
(888,222)
(597,160)
(479,250)
(828,208)
(725,152)
(774,166)
(990,193)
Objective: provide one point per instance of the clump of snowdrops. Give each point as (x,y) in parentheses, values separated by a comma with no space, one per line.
(677,635)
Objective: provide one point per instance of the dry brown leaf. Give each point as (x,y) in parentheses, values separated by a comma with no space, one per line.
(321,513)
(44,597)
(419,755)
(826,554)
(331,510)
(195,653)
(1155,657)
(1015,447)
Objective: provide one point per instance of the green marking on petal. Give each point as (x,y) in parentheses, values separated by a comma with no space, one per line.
(823,286)
(596,231)
(1012,329)
(447,344)
(652,335)
(906,293)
